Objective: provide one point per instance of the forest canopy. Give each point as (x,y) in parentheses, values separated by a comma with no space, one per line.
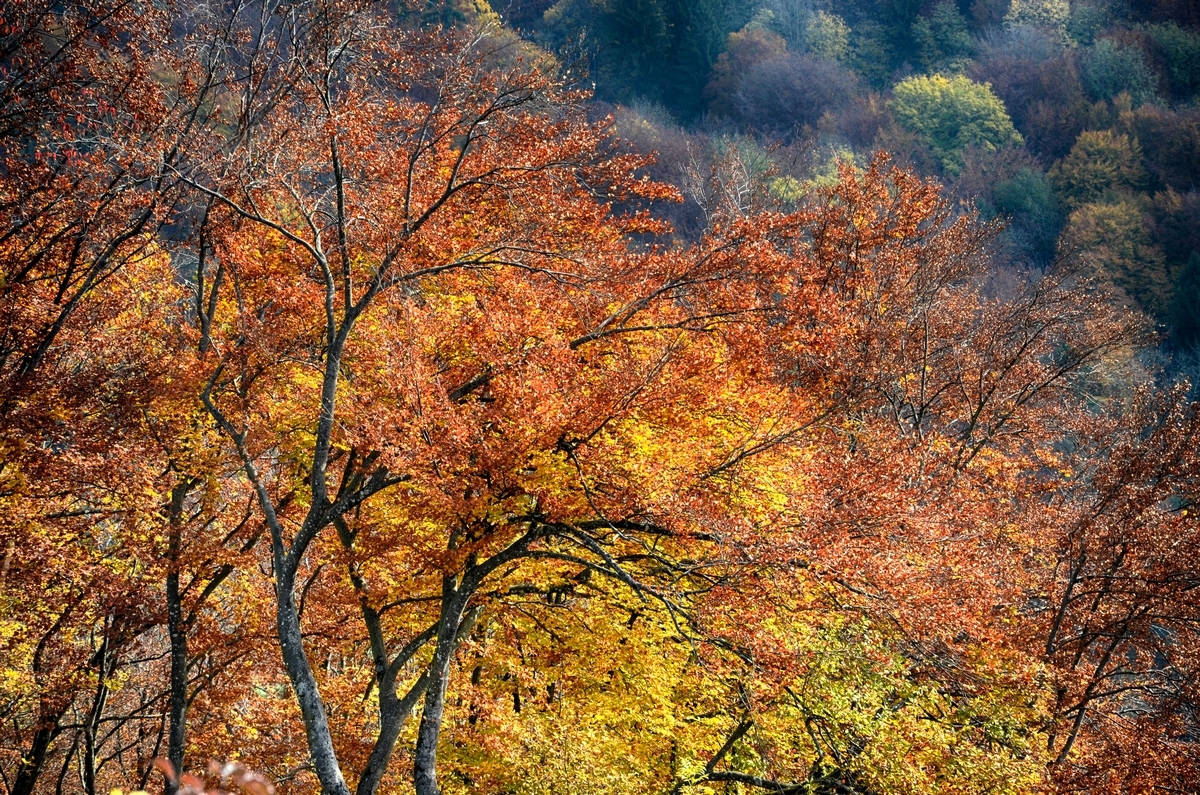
(609,397)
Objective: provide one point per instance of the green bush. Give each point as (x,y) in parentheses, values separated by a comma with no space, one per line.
(952,113)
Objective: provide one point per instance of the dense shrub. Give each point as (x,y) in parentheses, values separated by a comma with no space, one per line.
(952,113)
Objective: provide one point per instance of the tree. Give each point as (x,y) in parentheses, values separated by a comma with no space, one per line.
(1185,306)
(788,18)
(400,402)
(1114,237)
(1037,218)
(1108,70)
(873,53)
(942,39)
(656,50)
(786,93)
(1039,83)
(827,36)
(952,114)
(745,50)
(452,475)
(1181,47)
(453,160)
(1169,142)
(86,144)
(1099,165)
(1051,14)
(1118,617)
(1177,224)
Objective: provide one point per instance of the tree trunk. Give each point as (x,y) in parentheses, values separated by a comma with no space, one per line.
(177,631)
(425,764)
(393,712)
(177,699)
(32,761)
(316,722)
(106,657)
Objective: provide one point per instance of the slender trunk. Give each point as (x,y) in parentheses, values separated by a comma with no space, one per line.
(425,765)
(49,714)
(33,760)
(177,631)
(392,715)
(177,699)
(92,729)
(66,765)
(316,722)
(393,711)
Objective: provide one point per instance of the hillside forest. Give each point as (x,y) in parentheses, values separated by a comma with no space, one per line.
(606,397)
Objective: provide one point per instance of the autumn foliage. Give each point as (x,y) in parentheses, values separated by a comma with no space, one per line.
(361,425)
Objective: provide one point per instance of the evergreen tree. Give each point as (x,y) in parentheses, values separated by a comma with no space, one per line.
(1185,308)
(699,28)
(656,50)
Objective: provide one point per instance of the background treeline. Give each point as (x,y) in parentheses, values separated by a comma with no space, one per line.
(1077,122)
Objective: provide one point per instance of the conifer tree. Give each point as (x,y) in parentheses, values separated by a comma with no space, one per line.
(1185,308)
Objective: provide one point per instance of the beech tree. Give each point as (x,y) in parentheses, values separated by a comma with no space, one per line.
(952,113)
(351,380)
